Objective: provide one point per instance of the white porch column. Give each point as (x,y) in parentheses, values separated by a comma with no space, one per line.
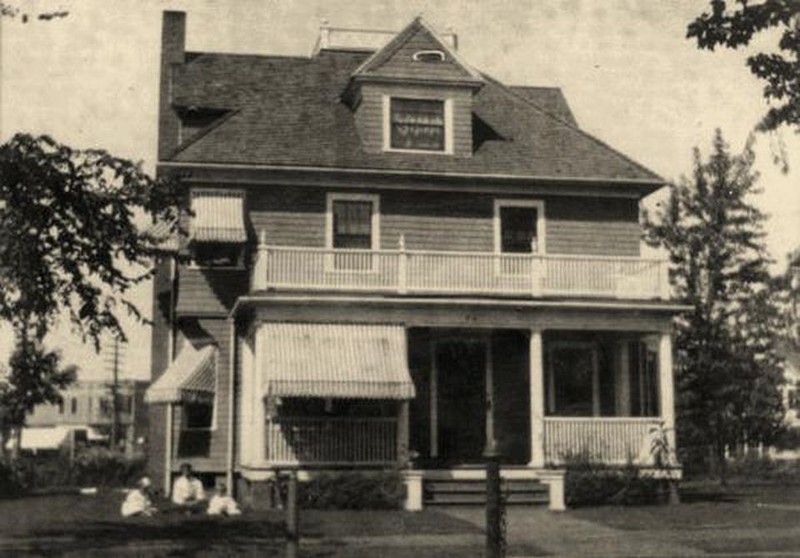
(623,380)
(402,435)
(258,281)
(667,387)
(536,373)
(259,442)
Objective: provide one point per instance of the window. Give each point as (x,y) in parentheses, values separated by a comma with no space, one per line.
(217,254)
(105,407)
(61,407)
(352,224)
(519,226)
(429,56)
(573,380)
(417,124)
(198,416)
(73,407)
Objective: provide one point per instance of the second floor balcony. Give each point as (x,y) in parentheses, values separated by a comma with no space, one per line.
(417,272)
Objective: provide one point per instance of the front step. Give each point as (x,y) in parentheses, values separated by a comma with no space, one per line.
(473,492)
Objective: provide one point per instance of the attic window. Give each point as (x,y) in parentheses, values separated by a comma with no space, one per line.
(428,56)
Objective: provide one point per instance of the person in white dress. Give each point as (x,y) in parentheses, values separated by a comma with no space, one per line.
(138,502)
(188,492)
(222,503)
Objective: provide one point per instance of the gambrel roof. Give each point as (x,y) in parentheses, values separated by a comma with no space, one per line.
(289,111)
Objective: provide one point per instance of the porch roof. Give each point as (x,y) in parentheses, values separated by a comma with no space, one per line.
(191,377)
(336,360)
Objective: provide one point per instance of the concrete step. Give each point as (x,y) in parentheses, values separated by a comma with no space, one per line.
(473,492)
(465,498)
(511,486)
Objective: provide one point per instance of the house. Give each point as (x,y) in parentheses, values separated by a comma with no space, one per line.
(87,404)
(396,258)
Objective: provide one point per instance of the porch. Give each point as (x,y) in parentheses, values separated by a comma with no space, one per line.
(545,397)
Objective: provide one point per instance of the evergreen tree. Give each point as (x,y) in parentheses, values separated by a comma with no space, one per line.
(728,374)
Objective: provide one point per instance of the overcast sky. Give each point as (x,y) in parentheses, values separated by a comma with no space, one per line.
(630,76)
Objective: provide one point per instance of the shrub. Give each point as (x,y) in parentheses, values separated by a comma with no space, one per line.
(588,483)
(11,480)
(353,491)
(106,468)
(752,468)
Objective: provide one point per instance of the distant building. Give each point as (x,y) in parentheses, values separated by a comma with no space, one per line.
(89,404)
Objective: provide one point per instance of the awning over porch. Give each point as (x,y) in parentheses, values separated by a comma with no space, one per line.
(335,360)
(191,378)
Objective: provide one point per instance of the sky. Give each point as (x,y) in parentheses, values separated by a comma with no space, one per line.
(630,75)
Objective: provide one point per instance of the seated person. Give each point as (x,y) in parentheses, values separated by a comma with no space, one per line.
(223,504)
(138,502)
(187,492)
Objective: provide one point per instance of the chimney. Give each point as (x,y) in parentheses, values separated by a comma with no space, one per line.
(173,55)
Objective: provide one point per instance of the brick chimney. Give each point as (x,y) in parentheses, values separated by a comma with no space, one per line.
(173,54)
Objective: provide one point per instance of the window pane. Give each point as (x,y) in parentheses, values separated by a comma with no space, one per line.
(352,224)
(196,415)
(216,254)
(517,228)
(417,124)
(573,376)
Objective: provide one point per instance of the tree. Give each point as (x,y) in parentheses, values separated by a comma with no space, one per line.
(33,378)
(69,243)
(728,374)
(69,246)
(737,26)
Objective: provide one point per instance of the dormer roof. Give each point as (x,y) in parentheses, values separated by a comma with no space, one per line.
(411,56)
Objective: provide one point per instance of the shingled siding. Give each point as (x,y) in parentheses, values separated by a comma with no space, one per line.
(369,114)
(215,459)
(205,292)
(450,221)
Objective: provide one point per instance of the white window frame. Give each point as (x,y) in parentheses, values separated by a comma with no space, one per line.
(448,124)
(541,229)
(375,224)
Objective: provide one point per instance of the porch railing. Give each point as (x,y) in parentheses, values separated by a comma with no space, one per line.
(432,272)
(611,440)
(331,441)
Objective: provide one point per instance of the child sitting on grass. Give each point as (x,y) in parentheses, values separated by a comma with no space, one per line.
(138,501)
(223,504)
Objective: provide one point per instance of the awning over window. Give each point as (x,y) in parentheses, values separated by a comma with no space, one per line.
(334,360)
(218,216)
(191,378)
(162,237)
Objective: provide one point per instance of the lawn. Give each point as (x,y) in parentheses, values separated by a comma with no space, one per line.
(741,518)
(74,525)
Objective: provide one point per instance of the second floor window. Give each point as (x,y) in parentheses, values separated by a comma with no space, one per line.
(417,124)
(518,229)
(74,406)
(352,224)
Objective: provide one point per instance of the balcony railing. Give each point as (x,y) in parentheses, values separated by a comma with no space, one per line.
(432,272)
(611,440)
(331,440)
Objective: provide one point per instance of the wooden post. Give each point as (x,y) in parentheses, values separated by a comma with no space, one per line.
(494,533)
(292,517)
(258,282)
(402,435)
(536,273)
(402,268)
(536,372)
(666,389)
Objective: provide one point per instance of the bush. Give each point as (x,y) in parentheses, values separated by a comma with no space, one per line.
(91,467)
(11,481)
(588,483)
(752,468)
(353,491)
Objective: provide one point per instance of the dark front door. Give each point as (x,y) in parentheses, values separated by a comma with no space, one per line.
(461,387)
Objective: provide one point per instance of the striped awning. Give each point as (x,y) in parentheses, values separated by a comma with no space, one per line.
(191,378)
(218,216)
(335,360)
(162,236)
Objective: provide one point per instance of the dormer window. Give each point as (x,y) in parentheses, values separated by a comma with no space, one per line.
(418,125)
(429,56)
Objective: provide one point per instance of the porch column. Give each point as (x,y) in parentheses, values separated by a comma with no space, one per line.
(623,380)
(259,440)
(667,388)
(402,435)
(536,372)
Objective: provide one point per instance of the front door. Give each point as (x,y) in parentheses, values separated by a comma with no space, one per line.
(461,398)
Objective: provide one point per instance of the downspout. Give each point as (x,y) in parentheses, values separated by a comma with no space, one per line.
(231,403)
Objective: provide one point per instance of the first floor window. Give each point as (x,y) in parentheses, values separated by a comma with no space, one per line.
(197,420)
(571,379)
(417,124)
(198,416)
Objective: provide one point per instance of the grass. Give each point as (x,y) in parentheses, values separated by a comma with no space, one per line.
(738,518)
(91,525)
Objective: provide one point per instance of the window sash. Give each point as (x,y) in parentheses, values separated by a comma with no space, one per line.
(417,124)
(352,224)
(518,229)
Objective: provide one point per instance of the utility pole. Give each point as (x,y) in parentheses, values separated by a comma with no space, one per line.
(114,362)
